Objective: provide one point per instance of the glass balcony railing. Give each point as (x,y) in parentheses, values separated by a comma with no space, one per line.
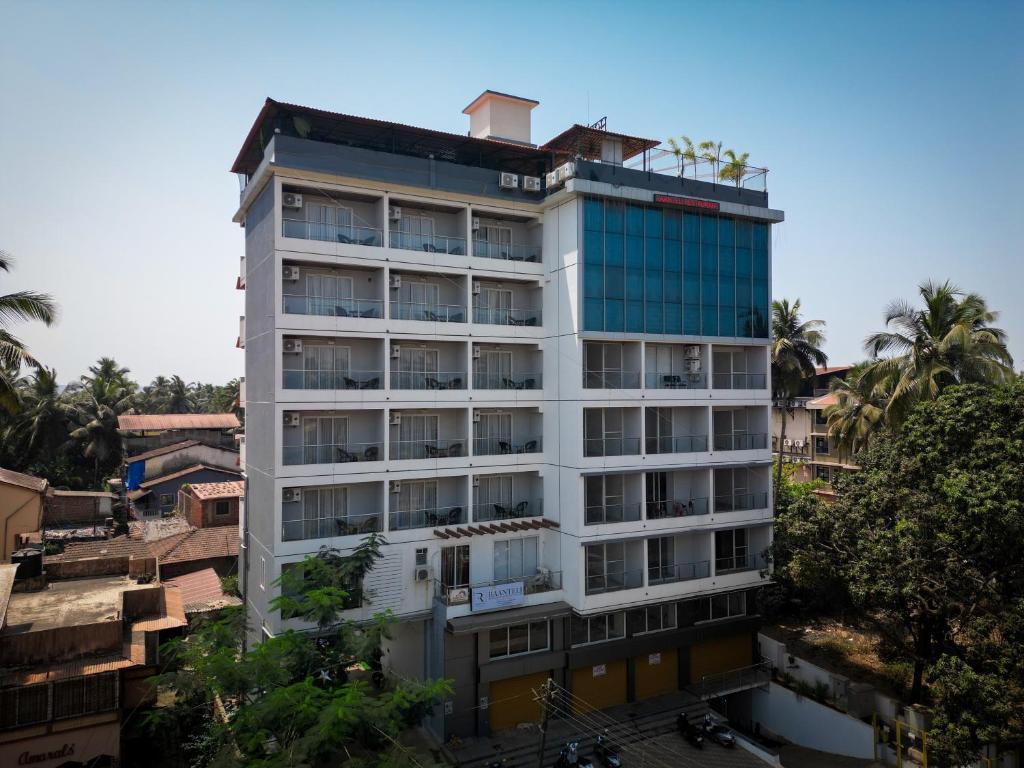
(334,233)
(611,380)
(487,511)
(497,446)
(295,304)
(675,381)
(404,520)
(429,449)
(510,381)
(510,316)
(667,574)
(326,527)
(741,562)
(738,502)
(739,380)
(319,379)
(335,453)
(432,313)
(611,513)
(456,246)
(598,584)
(741,441)
(659,510)
(611,446)
(507,251)
(433,380)
(677,444)
(544,580)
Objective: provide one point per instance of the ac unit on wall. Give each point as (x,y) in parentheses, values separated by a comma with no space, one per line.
(291,200)
(566,171)
(531,183)
(422,573)
(508,180)
(292,419)
(798,444)
(475,223)
(691,351)
(476,481)
(787,442)
(396,350)
(291,494)
(693,365)
(476,288)
(552,180)
(396,418)
(395,486)
(290,273)
(476,352)
(476,417)
(293,346)
(394,212)
(395,281)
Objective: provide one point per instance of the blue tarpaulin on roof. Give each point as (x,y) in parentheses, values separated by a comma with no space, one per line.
(136,474)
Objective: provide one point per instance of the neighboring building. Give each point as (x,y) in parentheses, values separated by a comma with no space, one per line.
(206,505)
(202,592)
(186,453)
(21,509)
(808,445)
(74,659)
(77,508)
(159,495)
(142,432)
(541,374)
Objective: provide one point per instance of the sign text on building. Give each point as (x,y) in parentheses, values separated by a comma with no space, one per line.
(498,596)
(687,202)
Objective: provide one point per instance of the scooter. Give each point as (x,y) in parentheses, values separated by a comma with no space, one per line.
(718,733)
(570,757)
(607,753)
(689,731)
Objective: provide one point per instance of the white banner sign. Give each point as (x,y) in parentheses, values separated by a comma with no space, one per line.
(500,596)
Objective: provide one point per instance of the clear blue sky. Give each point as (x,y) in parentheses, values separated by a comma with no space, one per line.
(893,132)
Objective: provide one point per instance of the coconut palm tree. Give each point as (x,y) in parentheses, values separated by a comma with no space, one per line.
(951,340)
(95,410)
(685,154)
(41,426)
(796,350)
(108,369)
(859,410)
(18,307)
(712,152)
(736,168)
(180,398)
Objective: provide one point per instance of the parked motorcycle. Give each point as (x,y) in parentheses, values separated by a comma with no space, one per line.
(718,733)
(607,753)
(569,757)
(689,731)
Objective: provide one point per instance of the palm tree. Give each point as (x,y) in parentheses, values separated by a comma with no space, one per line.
(17,307)
(108,369)
(685,154)
(40,428)
(712,152)
(736,168)
(859,410)
(923,351)
(154,395)
(95,410)
(796,350)
(180,398)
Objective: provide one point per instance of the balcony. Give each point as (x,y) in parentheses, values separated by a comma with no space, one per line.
(544,580)
(450,244)
(491,446)
(327,527)
(488,512)
(675,381)
(600,514)
(669,574)
(677,444)
(332,233)
(683,507)
(414,226)
(739,502)
(492,316)
(433,313)
(514,381)
(404,520)
(427,449)
(739,367)
(600,584)
(613,379)
(297,304)
(333,453)
(611,365)
(739,563)
(435,380)
(611,446)
(507,238)
(507,251)
(739,381)
(300,378)
(741,442)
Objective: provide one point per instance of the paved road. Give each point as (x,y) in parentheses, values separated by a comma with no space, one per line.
(672,751)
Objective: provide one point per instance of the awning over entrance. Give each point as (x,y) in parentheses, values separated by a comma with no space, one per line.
(485,621)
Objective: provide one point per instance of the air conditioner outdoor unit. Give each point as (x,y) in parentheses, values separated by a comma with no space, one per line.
(476,417)
(476,352)
(291,200)
(291,494)
(475,223)
(395,486)
(394,212)
(290,273)
(531,183)
(396,418)
(396,350)
(787,443)
(293,346)
(566,171)
(396,281)
(292,419)
(798,444)
(476,288)
(693,365)
(508,180)
(476,481)
(422,574)
(552,179)
(691,350)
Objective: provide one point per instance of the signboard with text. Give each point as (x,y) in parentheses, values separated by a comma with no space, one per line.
(687,202)
(498,596)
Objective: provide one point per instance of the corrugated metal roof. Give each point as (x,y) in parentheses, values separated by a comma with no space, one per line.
(202,591)
(148,421)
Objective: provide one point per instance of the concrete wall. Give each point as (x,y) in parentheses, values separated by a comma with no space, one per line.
(211,456)
(21,511)
(70,508)
(45,645)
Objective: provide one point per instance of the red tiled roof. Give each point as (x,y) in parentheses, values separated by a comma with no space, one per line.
(203,544)
(161,451)
(62,670)
(146,421)
(182,473)
(119,546)
(202,591)
(824,401)
(831,369)
(228,490)
(10,477)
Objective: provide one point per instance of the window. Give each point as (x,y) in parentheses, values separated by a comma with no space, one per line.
(822,473)
(654,618)
(661,558)
(322,437)
(656,487)
(414,433)
(416,232)
(415,367)
(603,433)
(597,629)
(519,639)
(319,513)
(606,568)
(416,503)
(85,695)
(604,499)
(326,293)
(166,501)
(821,446)
(659,430)
(421,556)
(713,608)
(731,553)
(493,369)
(455,566)
(326,222)
(25,705)
(515,559)
(493,433)
(320,366)
(602,366)
(222,508)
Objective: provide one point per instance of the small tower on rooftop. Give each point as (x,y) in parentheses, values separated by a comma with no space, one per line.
(494,115)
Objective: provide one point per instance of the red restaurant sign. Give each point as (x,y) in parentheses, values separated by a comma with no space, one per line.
(686,202)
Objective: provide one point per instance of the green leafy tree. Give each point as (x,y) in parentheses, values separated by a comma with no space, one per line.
(687,153)
(94,410)
(20,306)
(736,167)
(41,426)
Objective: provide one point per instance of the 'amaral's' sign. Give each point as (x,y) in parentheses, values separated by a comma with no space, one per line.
(500,596)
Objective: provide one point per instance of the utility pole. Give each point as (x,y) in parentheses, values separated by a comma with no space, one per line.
(546,693)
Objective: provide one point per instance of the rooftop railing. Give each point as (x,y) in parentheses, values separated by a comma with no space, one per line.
(664,160)
(295,304)
(334,233)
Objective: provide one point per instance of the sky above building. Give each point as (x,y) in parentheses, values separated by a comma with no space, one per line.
(892,131)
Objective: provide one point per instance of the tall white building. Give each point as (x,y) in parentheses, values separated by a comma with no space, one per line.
(540,371)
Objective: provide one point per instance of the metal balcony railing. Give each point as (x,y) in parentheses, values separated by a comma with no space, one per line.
(611,379)
(545,580)
(488,511)
(334,233)
(326,527)
(741,441)
(509,316)
(429,449)
(738,502)
(667,574)
(511,381)
(659,510)
(494,446)
(739,381)
(611,446)
(320,379)
(431,313)
(456,246)
(600,514)
(677,444)
(403,520)
(507,251)
(675,381)
(433,380)
(296,304)
(740,563)
(332,453)
(733,680)
(613,582)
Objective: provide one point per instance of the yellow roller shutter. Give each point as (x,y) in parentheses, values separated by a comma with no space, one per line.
(600,686)
(720,655)
(512,701)
(657,673)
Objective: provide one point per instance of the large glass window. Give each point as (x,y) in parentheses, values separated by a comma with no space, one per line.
(520,638)
(515,559)
(597,629)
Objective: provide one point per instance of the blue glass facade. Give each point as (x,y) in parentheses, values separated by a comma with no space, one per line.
(648,269)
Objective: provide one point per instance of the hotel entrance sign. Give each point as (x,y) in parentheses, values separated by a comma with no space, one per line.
(499,596)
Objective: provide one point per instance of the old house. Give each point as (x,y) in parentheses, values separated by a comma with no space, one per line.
(158,495)
(21,508)
(210,504)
